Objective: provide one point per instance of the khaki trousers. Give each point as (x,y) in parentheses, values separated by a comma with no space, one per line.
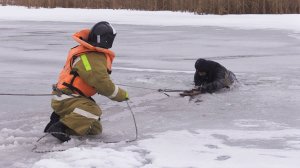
(80,114)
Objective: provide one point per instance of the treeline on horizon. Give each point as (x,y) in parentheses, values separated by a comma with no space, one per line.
(220,7)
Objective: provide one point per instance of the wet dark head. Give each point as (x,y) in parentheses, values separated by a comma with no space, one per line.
(202,65)
(102,35)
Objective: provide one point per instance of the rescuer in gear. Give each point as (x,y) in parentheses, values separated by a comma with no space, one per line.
(210,77)
(85,73)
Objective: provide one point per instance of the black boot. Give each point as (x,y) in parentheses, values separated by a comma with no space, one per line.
(53,119)
(58,130)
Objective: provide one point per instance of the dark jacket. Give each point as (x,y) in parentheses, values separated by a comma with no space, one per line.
(216,78)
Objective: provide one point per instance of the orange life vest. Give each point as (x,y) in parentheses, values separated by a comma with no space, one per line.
(70,79)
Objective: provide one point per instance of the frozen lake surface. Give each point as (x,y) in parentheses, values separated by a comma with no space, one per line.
(255,124)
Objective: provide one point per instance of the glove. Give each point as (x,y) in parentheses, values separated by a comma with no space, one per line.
(126,96)
(192,92)
(122,95)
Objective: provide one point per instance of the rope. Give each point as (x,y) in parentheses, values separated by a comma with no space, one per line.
(135,125)
(35,148)
(137,87)
(23,94)
(37,94)
(159,90)
(170,90)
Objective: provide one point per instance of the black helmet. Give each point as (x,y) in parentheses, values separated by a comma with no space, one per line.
(102,35)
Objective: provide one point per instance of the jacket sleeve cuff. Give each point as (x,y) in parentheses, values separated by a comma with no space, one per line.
(118,94)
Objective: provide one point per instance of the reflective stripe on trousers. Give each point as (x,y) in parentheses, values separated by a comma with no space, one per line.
(63,97)
(85,113)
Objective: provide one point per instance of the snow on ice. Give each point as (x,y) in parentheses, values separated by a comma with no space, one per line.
(163,18)
(255,124)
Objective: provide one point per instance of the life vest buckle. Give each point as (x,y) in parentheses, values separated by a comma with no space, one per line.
(58,91)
